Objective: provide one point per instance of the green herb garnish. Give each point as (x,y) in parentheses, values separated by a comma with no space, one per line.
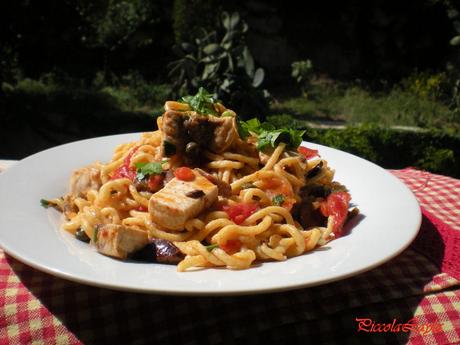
(45,203)
(291,137)
(278,200)
(147,169)
(268,135)
(211,247)
(202,102)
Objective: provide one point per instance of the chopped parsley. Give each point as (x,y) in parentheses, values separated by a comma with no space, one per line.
(202,102)
(269,136)
(278,200)
(146,169)
(211,247)
(45,203)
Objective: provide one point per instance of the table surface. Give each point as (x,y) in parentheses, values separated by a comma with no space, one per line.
(414,298)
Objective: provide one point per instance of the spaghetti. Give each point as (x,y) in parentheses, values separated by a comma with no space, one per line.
(254,204)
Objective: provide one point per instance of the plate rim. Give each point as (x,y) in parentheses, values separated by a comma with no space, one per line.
(232,292)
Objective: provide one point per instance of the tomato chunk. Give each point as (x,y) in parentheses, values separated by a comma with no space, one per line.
(275,186)
(336,205)
(308,153)
(155,182)
(232,246)
(126,170)
(184,174)
(239,212)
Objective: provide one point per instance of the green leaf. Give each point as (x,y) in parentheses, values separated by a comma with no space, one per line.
(211,247)
(455,41)
(212,48)
(252,125)
(268,135)
(45,203)
(258,77)
(147,169)
(278,200)
(202,102)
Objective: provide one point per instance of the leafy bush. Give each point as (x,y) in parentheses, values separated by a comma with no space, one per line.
(355,104)
(426,85)
(221,62)
(434,150)
(302,72)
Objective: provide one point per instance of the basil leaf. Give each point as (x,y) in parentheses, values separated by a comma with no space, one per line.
(147,169)
(202,102)
(278,200)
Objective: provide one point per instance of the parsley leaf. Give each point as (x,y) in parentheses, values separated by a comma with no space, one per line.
(147,169)
(278,200)
(211,247)
(268,135)
(271,138)
(45,203)
(202,102)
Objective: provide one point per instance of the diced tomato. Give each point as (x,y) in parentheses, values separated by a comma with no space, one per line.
(308,153)
(232,246)
(184,174)
(126,170)
(155,182)
(239,212)
(142,209)
(271,183)
(275,186)
(336,205)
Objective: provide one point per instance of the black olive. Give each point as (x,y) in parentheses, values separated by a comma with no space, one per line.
(313,172)
(315,190)
(82,236)
(169,148)
(195,194)
(161,251)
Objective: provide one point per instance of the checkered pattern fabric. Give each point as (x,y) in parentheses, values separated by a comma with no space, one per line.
(409,293)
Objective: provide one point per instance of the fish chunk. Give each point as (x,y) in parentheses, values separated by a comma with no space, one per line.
(120,241)
(209,132)
(85,179)
(178,201)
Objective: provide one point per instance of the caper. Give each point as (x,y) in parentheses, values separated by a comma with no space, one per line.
(192,149)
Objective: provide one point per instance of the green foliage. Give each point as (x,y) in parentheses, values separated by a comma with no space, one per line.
(354,104)
(130,93)
(221,62)
(202,102)
(188,18)
(111,23)
(434,150)
(302,72)
(425,85)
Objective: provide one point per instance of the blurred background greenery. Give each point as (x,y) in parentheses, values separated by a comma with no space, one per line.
(379,78)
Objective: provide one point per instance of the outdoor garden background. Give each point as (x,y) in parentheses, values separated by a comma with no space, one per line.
(380,78)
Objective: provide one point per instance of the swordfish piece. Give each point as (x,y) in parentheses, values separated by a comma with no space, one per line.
(181,200)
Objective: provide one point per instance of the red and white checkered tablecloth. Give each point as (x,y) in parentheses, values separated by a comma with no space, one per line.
(414,298)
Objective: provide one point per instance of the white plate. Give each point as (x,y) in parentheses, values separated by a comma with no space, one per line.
(390,220)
